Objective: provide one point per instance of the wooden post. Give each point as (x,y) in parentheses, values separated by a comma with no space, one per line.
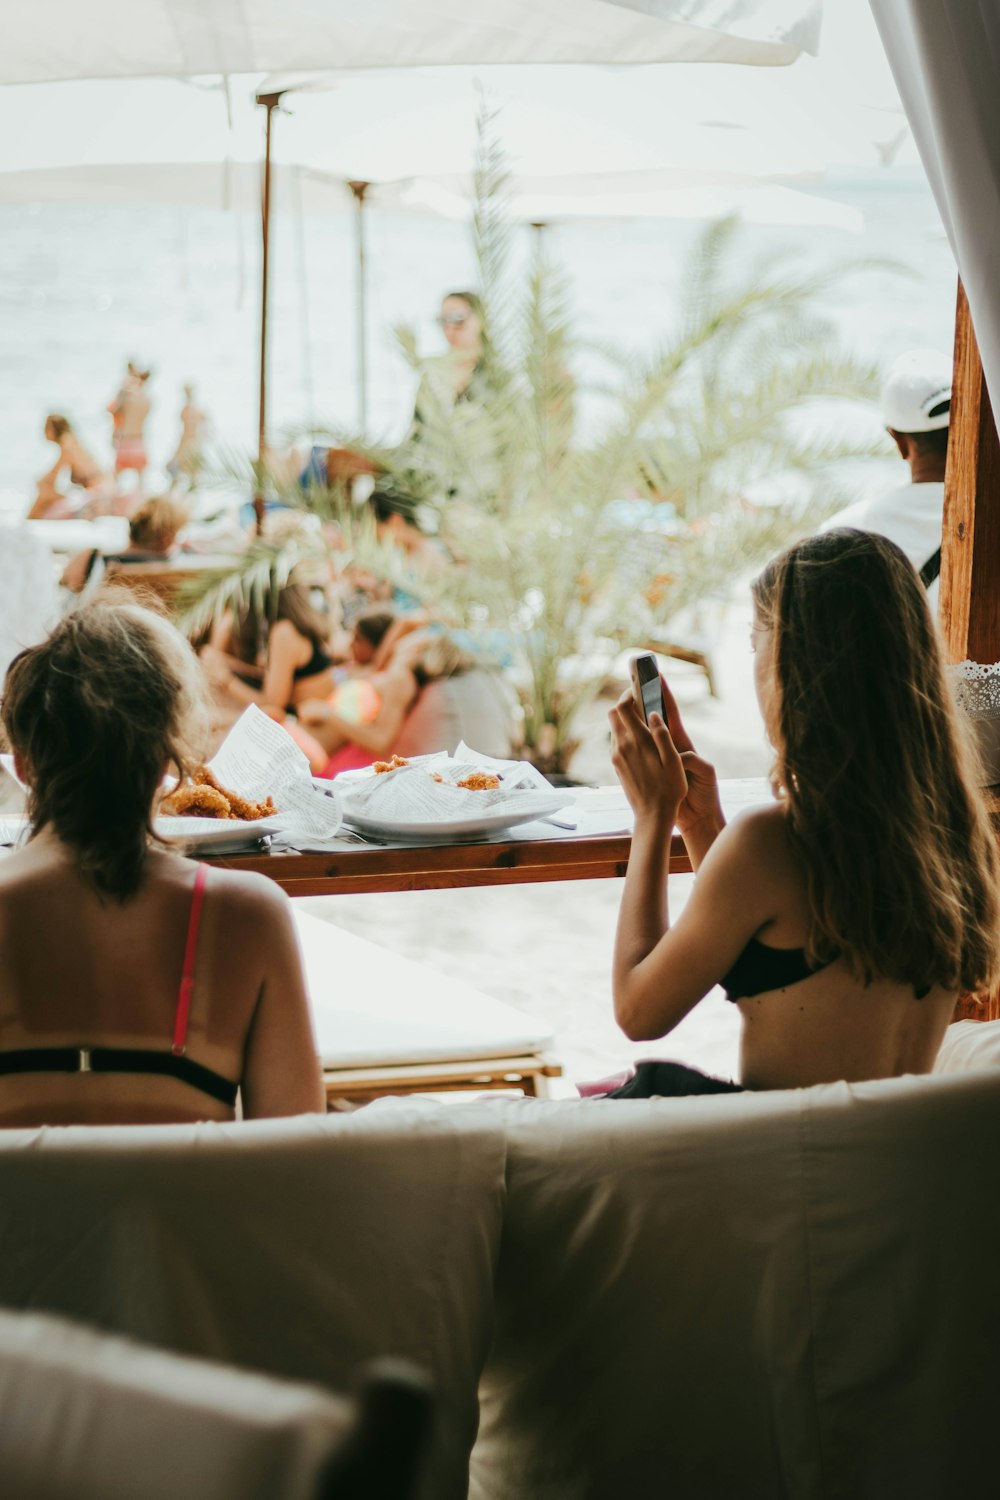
(969,603)
(970,548)
(359,189)
(268,102)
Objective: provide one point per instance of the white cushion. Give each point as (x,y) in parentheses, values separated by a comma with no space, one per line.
(373,1008)
(303,1247)
(764,1294)
(92,1417)
(969,1045)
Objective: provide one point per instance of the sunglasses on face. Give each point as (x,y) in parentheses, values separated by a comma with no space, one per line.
(453,320)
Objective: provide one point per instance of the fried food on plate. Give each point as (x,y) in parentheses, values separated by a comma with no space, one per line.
(479,781)
(381,766)
(190,801)
(204,797)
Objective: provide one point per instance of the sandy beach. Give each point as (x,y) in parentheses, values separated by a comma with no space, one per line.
(546,949)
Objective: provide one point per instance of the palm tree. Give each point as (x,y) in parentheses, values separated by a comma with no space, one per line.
(573,543)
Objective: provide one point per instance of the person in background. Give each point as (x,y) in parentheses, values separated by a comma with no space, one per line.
(462,322)
(369,629)
(298,663)
(172,989)
(189,454)
(374,726)
(459,375)
(153,530)
(845,918)
(91,484)
(129,410)
(396,525)
(916,409)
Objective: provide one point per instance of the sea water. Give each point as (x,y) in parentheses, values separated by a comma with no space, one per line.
(85,288)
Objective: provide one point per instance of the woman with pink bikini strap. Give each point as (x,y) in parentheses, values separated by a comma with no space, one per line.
(162,994)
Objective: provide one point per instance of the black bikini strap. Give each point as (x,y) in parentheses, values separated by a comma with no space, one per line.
(119,1060)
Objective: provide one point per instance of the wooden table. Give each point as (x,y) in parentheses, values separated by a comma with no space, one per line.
(363,870)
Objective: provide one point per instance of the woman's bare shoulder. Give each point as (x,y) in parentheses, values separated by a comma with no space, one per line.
(756,838)
(245,891)
(287,635)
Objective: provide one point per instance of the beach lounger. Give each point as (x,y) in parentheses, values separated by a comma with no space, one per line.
(387,1025)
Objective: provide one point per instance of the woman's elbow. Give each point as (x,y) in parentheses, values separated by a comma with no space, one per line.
(634,1019)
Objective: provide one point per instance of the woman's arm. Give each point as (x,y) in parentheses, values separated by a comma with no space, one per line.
(51,475)
(398,692)
(281,1071)
(660,972)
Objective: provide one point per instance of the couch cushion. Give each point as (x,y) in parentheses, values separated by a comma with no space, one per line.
(301,1247)
(755,1295)
(92,1417)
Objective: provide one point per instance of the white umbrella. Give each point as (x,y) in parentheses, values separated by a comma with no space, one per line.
(66,39)
(74,39)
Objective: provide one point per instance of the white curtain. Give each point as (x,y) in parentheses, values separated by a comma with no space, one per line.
(51,40)
(946,62)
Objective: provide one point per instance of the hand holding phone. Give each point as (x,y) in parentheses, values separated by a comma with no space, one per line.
(647,688)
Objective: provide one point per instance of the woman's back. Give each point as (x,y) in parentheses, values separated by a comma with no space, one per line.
(82,973)
(828,1024)
(136,986)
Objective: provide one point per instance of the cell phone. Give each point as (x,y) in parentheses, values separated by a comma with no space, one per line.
(646,686)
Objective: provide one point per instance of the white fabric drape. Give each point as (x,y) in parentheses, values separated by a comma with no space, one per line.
(60,39)
(946,63)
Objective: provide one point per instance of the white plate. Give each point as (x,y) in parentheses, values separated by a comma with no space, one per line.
(447,830)
(222,835)
(199,835)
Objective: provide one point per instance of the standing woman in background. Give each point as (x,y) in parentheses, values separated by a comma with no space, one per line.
(459,375)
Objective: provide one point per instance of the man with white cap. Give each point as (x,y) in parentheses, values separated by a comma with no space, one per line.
(916,406)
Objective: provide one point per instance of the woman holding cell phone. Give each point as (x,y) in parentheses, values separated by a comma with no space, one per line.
(845,917)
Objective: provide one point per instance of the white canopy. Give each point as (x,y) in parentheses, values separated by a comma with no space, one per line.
(946,61)
(640,130)
(49,40)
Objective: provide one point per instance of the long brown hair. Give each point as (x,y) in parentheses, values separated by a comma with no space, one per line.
(97,713)
(295,605)
(878,768)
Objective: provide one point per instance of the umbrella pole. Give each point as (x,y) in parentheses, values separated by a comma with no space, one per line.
(268,102)
(359,189)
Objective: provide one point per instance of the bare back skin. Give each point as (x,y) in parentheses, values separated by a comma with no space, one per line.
(80,971)
(829,1026)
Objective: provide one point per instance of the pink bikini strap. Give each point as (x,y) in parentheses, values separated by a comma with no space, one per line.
(190,958)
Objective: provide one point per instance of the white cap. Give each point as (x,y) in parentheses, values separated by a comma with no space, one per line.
(916,396)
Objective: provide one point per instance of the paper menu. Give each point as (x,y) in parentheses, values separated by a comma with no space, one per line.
(258,759)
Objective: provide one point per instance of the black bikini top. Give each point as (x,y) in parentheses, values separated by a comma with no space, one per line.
(760,968)
(318,662)
(173,1064)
